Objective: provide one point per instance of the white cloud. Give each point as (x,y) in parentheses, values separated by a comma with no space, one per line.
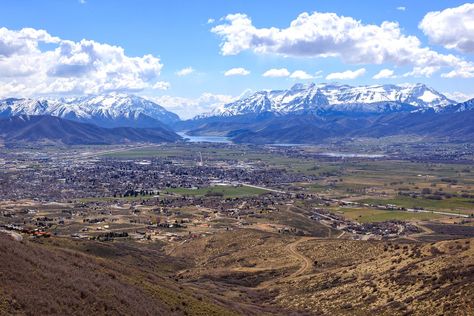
(210,21)
(318,74)
(459,96)
(161,85)
(23,42)
(276,72)
(384,74)
(346,75)
(422,72)
(187,108)
(330,35)
(401,8)
(68,67)
(185,71)
(237,72)
(301,75)
(464,70)
(453,28)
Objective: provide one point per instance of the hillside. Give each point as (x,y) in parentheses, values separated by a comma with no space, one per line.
(341,277)
(60,277)
(302,275)
(50,129)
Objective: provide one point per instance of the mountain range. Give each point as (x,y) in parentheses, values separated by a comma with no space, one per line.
(55,130)
(324,99)
(109,110)
(305,113)
(314,113)
(310,129)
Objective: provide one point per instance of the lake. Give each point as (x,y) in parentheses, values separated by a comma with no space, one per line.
(351,155)
(205,139)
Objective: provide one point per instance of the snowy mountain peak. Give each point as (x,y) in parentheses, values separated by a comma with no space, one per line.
(333,97)
(460,107)
(109,110)
(302,86)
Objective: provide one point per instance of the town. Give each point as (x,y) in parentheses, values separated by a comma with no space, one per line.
(191,190)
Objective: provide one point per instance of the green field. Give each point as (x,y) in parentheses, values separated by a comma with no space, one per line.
(226,191)
(111,198)
(142,153)
(453,205)
(372,215)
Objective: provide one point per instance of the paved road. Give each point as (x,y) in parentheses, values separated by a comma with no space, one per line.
(441,213)
(359,204)
(105,152)
(262,188)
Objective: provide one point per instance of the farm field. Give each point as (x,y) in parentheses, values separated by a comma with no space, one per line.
(219,190)
(372,215)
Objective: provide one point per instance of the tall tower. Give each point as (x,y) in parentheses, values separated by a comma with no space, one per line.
(200,163)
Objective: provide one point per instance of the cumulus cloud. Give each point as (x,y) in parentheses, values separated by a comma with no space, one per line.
(185,71)
(422,72)
(401,8)
(276,72)
(68,67)
(346,75)
(464,70)
(237,72)
(384,74)
(161,85)
(23,42)
(453,28)
(459,96)
(301,75)
(330,35)
(187,108)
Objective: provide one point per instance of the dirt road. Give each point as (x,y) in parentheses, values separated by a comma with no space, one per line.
(14,235)
(306,263)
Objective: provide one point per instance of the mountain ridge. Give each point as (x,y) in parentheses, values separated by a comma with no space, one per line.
(53,129)
(327,98)
(307,129)
(109,110)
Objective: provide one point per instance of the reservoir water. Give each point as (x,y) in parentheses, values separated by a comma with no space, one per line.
(205,139)
(351,155)
(226,140)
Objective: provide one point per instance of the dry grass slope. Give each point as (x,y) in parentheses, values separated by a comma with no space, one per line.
(56,279)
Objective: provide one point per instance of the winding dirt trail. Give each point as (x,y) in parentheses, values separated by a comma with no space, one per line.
(306,263)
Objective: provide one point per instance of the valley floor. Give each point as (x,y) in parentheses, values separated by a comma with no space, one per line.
(223,229)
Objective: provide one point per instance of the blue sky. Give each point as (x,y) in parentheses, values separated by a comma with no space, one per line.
(183,34)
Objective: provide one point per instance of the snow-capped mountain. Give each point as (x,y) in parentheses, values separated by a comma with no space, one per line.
(15,107)
(460,107)
(323,98)
(110,110)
